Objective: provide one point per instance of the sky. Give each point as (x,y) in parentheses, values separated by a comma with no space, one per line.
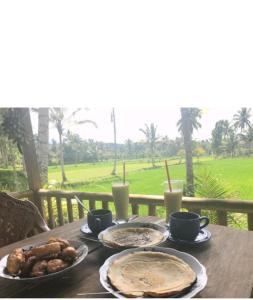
(130,120)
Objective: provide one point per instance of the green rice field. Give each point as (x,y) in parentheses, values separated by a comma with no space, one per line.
(236,173)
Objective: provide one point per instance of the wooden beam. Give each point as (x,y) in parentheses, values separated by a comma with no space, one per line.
(191,203)
(21,195)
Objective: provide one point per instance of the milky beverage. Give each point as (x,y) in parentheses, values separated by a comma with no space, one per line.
(120,194)
(172,201)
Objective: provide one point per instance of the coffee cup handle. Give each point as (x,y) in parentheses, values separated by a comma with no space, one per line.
(206,222)
(98,223)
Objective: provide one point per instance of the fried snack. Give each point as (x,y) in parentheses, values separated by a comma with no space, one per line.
(50,256)
(48,249)
(39,269)
(56,265)
(69,254)
(15,261)
(64,243)
(27,254)
(28,266)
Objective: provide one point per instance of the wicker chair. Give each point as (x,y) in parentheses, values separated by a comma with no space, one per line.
(18,219)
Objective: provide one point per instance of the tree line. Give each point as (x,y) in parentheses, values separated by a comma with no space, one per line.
(233,137)
(78,150)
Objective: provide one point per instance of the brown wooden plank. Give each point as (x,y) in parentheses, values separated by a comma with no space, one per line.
(222,218)
(51,222)
(59,210)
(151,210)
(250,221)
(105,204)
(22,195)
(92,204)
(135,209)
(70,209)
(80,209)
(38,201)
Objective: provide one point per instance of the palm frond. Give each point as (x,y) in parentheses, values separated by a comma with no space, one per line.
(210,186)
(87,121)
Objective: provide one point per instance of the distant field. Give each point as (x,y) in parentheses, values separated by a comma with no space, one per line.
(237,173)
(90,172)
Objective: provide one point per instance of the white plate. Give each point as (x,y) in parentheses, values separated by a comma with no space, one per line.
(82,251)
(160,228)
(196,266)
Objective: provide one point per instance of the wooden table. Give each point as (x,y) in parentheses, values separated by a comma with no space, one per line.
(228,258)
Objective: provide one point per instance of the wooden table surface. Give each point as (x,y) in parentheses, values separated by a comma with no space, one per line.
(228,258)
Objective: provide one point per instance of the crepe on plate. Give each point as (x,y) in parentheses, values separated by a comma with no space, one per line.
(132,237)
(147,273)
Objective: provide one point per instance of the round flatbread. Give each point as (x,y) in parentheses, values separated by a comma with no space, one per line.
(132,237)
(147,273)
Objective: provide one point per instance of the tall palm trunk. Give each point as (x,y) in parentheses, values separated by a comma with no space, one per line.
(115,143)
(152,155)
(64,178)
(43,136)
(13,163)
(187,136)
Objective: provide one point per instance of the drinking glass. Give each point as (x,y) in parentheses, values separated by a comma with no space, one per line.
(120,192)
(173,198)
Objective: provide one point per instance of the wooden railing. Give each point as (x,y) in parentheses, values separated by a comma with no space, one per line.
(22,195)
(58,207)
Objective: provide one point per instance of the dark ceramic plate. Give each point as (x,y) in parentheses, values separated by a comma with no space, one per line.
(82,251)
(203,237)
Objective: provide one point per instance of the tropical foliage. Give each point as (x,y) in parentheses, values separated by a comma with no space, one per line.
(150,132)
(60,118)
(189,121)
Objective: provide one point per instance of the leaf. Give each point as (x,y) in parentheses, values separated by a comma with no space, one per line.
(87,121)
(210,186)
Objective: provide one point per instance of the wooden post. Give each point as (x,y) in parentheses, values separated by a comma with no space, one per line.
(250,222)
(30,157)
(29,152)
(151,210)
(222,218)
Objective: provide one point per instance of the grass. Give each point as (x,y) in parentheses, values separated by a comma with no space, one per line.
(89,172)
(236,173)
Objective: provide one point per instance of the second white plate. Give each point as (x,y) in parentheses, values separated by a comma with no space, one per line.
(196,266)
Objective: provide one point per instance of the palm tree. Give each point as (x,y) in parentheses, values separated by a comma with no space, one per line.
(186,125)
(220,133)
(59,119)
(247,139)
(231,142)
(225,126)
(152,138)
(43,136)
(242,119)
(113,120)
(128,148)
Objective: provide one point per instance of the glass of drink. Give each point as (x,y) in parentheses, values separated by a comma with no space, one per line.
(120,192)
(173,198)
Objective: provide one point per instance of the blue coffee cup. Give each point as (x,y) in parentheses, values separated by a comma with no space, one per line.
(99,219)
(186,225)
